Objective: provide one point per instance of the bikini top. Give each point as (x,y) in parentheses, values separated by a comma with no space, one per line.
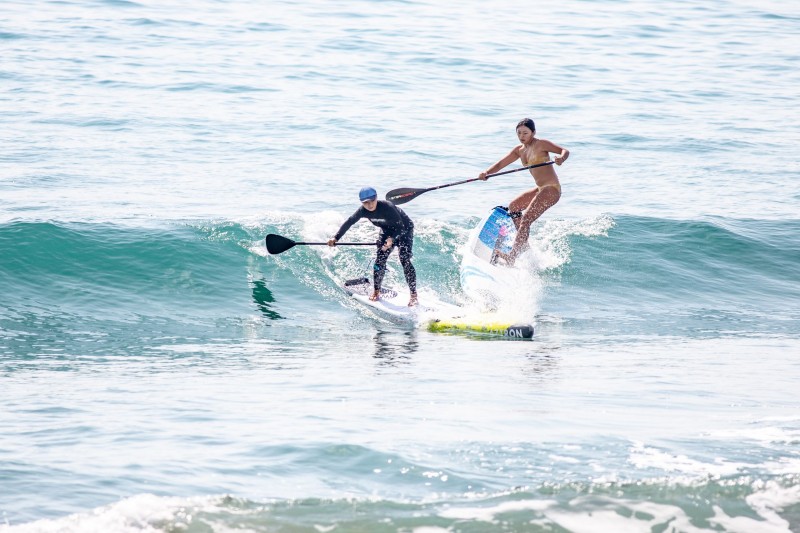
(537,160)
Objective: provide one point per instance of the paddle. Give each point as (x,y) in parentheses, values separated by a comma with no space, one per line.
(276,244)
(406,194)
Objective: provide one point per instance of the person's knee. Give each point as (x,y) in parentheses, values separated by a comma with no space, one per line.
(379,264)
(516,207)
(529,215)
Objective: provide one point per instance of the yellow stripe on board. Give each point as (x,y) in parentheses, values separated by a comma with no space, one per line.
(520,331)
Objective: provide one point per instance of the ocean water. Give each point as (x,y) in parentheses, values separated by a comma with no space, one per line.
(160,372)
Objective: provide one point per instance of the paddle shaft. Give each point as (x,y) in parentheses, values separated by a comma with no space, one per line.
(491,175)
(409,195)
(337,244)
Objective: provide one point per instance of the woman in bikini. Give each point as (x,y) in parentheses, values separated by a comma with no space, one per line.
(530,205)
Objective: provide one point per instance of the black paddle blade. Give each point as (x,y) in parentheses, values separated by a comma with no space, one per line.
(277,244)
(403,195)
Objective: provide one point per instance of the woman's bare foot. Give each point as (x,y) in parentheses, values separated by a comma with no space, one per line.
(376,295)
(413,301)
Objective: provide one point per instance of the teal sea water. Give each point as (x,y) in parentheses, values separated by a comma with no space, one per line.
(160,372)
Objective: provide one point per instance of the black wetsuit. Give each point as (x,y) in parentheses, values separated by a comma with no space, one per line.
(393,223)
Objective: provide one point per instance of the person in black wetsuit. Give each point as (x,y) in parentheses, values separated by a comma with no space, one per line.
(397,230)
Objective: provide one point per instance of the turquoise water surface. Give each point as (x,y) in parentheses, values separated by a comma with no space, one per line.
(159,371)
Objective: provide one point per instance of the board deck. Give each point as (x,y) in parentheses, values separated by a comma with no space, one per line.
(392,304)
(481,275)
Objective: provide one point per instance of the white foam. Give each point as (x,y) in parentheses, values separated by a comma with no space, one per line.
(434,230)
(767,522)
(550,247)
(601,514)
(144,513)
(762,435)
(644,457)
(589,514)
(783,466)
(488,514)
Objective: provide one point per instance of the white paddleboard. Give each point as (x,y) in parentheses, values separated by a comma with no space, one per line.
(393,304)
(482,276)
(437,315)
(489,283)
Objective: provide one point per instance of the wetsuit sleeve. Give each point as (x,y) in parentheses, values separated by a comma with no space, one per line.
(355,217)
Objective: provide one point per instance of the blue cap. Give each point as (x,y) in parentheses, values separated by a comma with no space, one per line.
(367,193)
